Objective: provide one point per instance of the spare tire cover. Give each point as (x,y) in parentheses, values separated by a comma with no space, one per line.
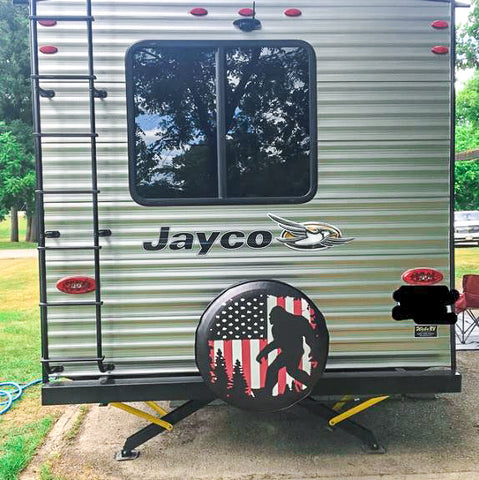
(262,345)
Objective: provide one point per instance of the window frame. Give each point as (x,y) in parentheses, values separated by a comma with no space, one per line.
(218,44)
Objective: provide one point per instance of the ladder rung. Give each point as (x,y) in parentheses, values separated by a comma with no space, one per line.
(70,248)
(72,360)
(63,18)
(63,77)
(65,135)
(66,192)
(69,304)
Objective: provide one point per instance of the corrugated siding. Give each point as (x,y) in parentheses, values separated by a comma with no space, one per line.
(383,129)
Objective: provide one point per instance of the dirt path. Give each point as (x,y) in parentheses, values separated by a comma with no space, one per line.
(18,253)
(425,439)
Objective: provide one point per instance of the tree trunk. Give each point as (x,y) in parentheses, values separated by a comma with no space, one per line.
(32,229)
(13,225)
(28,233)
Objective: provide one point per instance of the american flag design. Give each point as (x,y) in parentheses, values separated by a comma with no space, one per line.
(245,327)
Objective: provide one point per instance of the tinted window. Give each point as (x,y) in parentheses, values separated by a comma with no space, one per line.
(267,122)
(221,123)
(175,122)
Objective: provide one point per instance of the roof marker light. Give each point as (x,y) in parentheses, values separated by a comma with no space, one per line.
(47,23)
(440,24)
(293,12)
(440,50)
(76,285)
(48,49)
(246,12)
(422,276)
(199,12)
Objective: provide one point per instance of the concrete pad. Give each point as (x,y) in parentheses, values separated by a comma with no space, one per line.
(472,342)
(424,438)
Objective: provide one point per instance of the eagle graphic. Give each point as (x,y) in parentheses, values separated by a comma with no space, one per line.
(308,235)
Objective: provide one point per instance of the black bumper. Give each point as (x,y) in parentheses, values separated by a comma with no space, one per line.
(186,388)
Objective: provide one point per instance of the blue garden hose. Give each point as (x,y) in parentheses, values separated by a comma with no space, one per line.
(12,391)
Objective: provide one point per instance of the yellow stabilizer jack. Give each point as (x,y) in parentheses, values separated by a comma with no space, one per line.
(154,406)
(354,410)
(345,399)
(145,415)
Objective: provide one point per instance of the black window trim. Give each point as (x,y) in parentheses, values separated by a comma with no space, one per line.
(220,45)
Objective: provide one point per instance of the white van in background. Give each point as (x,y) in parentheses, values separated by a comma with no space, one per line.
(466,227)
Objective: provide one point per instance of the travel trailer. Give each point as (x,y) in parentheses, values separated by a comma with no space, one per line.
(229,194)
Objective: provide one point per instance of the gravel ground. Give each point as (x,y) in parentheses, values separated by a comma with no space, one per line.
(424,438)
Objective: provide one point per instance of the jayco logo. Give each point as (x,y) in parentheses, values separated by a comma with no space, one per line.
(297,236)
(228,240)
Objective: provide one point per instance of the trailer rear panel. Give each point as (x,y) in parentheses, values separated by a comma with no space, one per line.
(383,130)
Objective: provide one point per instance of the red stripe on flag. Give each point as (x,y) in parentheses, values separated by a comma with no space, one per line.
(314,325)
(298,306)
(281,302)
(264,363)
(246,362)
(228,354)
(298,310)
(211,345)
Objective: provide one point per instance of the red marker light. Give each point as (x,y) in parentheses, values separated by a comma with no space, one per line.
(422,276)
(440,24)
(440,50)
(199,12)
(47,23)
(76,285)
(246,12)
(293,12)
(48,49)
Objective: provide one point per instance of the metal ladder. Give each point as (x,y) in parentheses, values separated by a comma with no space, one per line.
(39,92)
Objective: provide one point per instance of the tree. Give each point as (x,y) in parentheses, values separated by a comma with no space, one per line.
(467,116)
(16,113)
(238,385)
(467,40)
(466,185)
(15,96)
(467,137)
(17,178)
(220,375)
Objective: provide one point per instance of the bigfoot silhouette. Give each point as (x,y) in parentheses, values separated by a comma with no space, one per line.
(288,331)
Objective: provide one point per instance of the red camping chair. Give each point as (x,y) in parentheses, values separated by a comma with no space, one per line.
(468,301)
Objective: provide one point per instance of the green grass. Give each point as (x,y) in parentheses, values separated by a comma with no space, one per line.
(24,427)
(19,444)
(5,234)
(46,472)
(75,428)
(19,319)
(20,347)
(467,261)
